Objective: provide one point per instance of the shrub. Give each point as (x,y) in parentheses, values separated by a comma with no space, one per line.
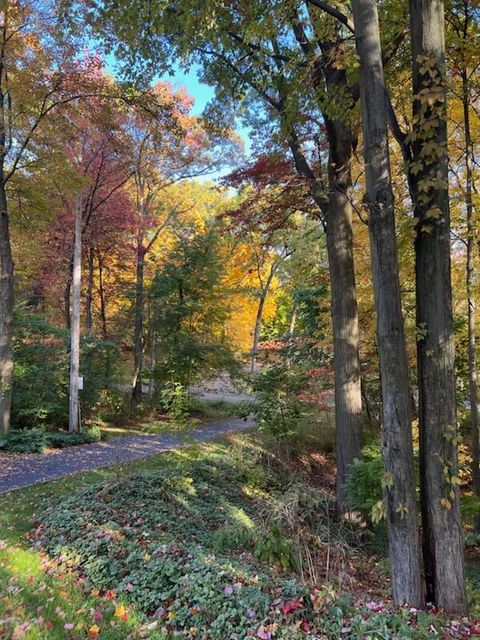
(364,484)
(23,441)
(37,440)
(62,439)
(278,407)
(175,401)
(41,372)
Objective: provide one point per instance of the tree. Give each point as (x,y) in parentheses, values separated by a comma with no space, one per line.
(189,298)
(297,92)
(463,50)
(32,91)
(442,531)
(397,446)
(168,147)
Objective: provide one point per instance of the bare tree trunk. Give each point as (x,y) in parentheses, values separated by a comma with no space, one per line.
(139,321)
(442,527)
(472,356)
(337,211)
(397,447)
(258,320)
(348,394)
(67,294)
(74,409)
(101,289)
(89,297)
(6,313)
(153,360)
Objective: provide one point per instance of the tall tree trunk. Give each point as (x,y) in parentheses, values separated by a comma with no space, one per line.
(337,212)
(348,394)
(89,297)
(258,320)
(139,321)
(442,527)
(74,407)
(67,294)
(101,290)
(472,355)
(397,447)
(153,361)
(6,314)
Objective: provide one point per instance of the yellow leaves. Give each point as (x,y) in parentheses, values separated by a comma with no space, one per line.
(379,512)
(432,151)
(387,480)
(446,504)
(434,213)
(416,167)
(121,612)
(403,510)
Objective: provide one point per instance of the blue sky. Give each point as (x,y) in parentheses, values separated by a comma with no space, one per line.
(202,93)
(199,91)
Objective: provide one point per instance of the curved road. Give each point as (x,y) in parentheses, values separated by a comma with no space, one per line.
(21,471)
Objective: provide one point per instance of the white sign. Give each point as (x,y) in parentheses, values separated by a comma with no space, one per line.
(80,383)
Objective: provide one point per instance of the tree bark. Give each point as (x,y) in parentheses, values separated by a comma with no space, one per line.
(6,313)
(397,447)
(470,278)
(67,294)
(74,407)
(348,395)
(139,321)
(101,293)
(442,528)
(258,320)
(89,297)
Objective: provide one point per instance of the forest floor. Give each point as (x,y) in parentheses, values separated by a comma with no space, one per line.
(24,470)
(232,538)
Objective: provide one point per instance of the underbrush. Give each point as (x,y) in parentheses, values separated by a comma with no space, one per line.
(218,543)
(38,440)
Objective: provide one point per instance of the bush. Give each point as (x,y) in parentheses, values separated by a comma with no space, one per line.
(40,384)
(175,401)
(364,484)
(37,440)
(62,439)
(278,407)
(23,441)
(41,372)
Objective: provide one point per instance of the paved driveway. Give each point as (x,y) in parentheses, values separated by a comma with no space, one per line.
(24,470)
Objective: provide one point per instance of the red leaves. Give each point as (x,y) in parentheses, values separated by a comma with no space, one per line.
(275,193)
(304,626)
(292,605)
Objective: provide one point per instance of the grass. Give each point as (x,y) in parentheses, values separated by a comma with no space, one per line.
(40,598)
